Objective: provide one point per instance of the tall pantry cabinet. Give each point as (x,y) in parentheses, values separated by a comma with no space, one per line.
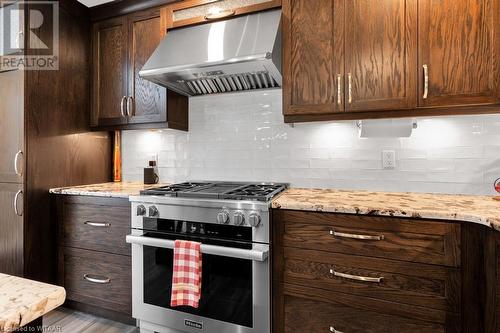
(45,142)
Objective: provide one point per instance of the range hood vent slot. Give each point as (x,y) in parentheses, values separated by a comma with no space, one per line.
(230,83)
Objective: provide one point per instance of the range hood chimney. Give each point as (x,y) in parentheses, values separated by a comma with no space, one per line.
(238,54)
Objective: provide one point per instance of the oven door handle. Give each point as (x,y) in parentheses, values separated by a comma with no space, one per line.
(260,252)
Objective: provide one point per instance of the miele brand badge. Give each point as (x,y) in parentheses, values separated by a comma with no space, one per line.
(193,324)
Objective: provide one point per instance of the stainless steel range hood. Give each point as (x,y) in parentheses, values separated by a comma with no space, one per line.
(238,54)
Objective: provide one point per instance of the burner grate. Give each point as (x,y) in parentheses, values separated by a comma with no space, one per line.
(173,189)
(219,190)
(258,192)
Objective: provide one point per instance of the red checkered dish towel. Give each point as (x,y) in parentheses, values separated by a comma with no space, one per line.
(186,279)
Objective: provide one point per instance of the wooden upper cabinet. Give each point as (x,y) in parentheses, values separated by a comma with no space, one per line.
(109,72)
(148,100)
(121,99)
(459,45)
(380,54)
(312,56)
(189,12)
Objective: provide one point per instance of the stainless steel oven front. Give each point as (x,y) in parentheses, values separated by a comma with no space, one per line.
(235,270)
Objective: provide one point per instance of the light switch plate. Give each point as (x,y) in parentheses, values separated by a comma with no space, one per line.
(388,159)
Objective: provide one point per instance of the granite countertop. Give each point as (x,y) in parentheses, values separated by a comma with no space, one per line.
(22,301)
(477,209)
(109,190)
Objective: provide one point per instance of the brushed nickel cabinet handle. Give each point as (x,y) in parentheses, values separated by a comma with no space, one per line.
(122,107)
(98,224)
(333,330)
(16,200)
(356,277)
(356,236)
(95,279)
(339,89)
(219,15)
(349,79)
(426,81)
(16,163)
(130,106)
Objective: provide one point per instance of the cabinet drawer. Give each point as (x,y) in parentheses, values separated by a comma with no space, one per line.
(429,286)
(97,227)
(384,237)
(99,279)
(306,315)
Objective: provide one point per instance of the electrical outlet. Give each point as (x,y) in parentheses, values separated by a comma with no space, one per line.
(388,159)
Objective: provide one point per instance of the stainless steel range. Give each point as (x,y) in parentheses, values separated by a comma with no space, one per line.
(232,222)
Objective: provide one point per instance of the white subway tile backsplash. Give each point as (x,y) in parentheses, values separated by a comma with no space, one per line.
(243,137)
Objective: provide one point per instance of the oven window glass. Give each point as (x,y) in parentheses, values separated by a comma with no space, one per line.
(226,286)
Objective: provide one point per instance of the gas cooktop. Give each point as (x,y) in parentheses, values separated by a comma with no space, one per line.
(220,190)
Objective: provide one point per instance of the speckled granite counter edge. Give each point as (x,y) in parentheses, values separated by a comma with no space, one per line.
(103,194)
(280,202)
(121,190)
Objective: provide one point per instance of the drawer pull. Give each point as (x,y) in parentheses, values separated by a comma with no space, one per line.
(333,330)
(355,236)
(94,279)
(356,277)
(98,224)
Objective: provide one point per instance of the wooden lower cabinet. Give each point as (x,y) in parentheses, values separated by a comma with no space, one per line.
(95,264)
(315,316)
(344,273)
(97,278)
(429,286)
(11,230)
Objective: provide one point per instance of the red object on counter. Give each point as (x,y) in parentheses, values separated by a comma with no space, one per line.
(186,279)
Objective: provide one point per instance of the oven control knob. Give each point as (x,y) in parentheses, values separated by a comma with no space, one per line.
(223,217)
(254,219)
(238,218)
(141,210)
(153,211)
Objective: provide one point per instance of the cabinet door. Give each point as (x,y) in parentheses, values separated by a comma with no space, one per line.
(312,56)
(380,54)
(109,47)
(148,100)
(184,13)
(11,230)
(457,45)
(11,126)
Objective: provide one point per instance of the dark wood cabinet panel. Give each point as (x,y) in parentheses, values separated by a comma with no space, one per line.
(312,56)
(458,42)
(94,259)
(11,126)
(11,230)
(121,98)
(97,278)
(148,102)
(109,93)
(97,227)
(60,149)
(427,242)
(380,54)
(429,286)
(359,286)
(312,316)
(377,50)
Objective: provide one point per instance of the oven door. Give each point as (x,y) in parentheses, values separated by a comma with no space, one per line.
(235,287)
